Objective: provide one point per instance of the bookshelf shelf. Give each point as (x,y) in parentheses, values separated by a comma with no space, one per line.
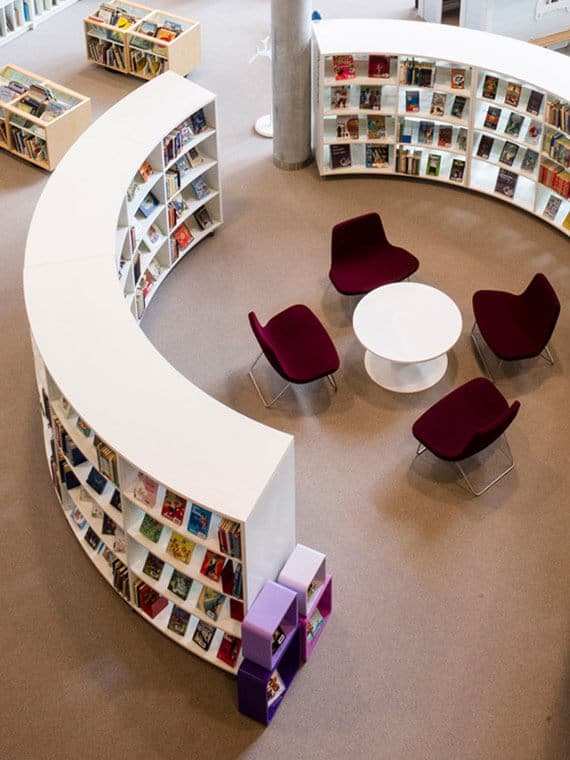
(208,471)
(141,41)
(61,116)
(516,93)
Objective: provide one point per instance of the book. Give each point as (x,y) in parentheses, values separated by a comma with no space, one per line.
(534,132)
(178,621)
(199,187)
(198,121)
(83,427)
(199,520)
(438,101)
(426,132)
(145,170)
(115,500)
(119,540)
(203,218)
(183,236)
(377,156)
(166,35)
(229,649)
(433,165)
(566,221)
(508,153)
(78,518)
(513,94)
(485,146)
(278,638)
(462,138)
(92,538)
(458,106)
(379,66)
(347,127)
(109,526)
(534,103)
(444,136)
(148,600)
(340,96)
(457,78)
(153,235)
(457,170)
(151,528)
(412,101)
(529,160)
(343,66)
(370,98)
(203,635)
(153,566)
(210,602)
(173,507)
(212,565)
(149,28)
(275,688)
(96,481)
(179,205)
(314,624)
(180,584)
(552,206)
(149,203)
(514,124)
(506,183)
(107,462)
(340,156)
(180,548)
(492,117)
(145,490)
(193,157)
(376,127)
(490,85)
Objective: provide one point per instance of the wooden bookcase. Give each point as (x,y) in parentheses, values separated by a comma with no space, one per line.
(430,111)
(42,140)
(130,49)
(19,16)
(112,405)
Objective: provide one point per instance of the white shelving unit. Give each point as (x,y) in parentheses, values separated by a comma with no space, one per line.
(411,132)
(19,16)
(95,367)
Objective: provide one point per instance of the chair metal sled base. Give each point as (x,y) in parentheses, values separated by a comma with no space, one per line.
(506,452)
(267,404)
(476,337)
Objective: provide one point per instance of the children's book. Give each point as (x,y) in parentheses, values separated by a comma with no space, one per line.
(340,96)
(343,67)
(376,127)
(199,521)
(183,236)
(275,688)
(151,528)
(229,649)
(145,490)
(203,218)
(203,634)
(180,584)
(198,121)
(199,187)
(145,170)
(314,624)
(149,203)
(153,566)
(178,621)
(210,602)
(78,518)
(212,565)
(173,507)
(180,548)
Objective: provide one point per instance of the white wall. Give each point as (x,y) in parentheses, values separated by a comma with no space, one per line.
(513,18)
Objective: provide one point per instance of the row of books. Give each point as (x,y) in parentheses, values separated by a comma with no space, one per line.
(229,538)
(348,127)
(177,140)
(554,176)
(409,162)
(557,145)
(427,132)
(106,53)
(147,64)
(378,66)
(513,93)
(29,145)
(114,15)
(369,98)
(513,125)
(508,153)
(420,73)
(558,114)
(438,104)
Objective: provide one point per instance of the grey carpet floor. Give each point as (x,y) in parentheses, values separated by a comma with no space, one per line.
(449,637)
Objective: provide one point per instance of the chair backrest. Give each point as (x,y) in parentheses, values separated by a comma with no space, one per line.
(356,233)
(489,433)
(265,343)
(542,309)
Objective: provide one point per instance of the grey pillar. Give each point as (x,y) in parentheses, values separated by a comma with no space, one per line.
(291,67)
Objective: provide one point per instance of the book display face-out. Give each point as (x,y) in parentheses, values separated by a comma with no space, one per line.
(138,40)
(155,494)
(498,123)
(39,119)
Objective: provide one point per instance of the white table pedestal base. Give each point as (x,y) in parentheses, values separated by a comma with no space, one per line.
(264,126)
(405,378)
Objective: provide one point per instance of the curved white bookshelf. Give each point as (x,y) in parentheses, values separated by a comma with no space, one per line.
(408,133)
(95,367)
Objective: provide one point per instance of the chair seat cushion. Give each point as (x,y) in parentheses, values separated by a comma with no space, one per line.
(455,426)
(302,345)
(370,267)
(505,325)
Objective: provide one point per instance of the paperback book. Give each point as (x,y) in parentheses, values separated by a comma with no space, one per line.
(444,136)
(178,621)
(458,106)
(457,78)
(438,101)
(514,124)
(485,146)
(275,688)
(180,584)
(347,127)
(92,539)
(145,490)
(183,236)
(377,156)
(340,156)
(149,203)
(210,602)
(513,94)
(340,95)
(534,103)
(552,206)
(212,566)
(78,518)
(490,85)
(229,649)
(153,566)
(109,526)
(314,624)
(433,165)
(370,98)
(426,132)
(151,528)
(203,635)
(343,66)
(492,117)
(198,121)
(199,187)
(508,153)
(376,127)
(506,183)
(96,481)
(379,66)
(457,170)
(180,548)
(529,161)
(199,521)
(173,507)
(412,101)
(534,132)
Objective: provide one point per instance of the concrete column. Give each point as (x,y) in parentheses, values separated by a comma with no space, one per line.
(291,70)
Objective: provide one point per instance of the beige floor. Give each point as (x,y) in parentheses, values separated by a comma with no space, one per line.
(449,638)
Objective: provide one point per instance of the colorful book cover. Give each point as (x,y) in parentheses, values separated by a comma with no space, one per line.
(151,528)
(492,117)
(183,236)
(198,121)
(377,156)
(552,206)
(275,688)
(109,526)
(514,124)
(426,132)
(314,624)
(534,103)
(202,216)
(173,507)
(444,136)
(490,85)
(83,427)
(438,101)
(412,101)
(78,518)
(229,649)
(96,481)
(343,66)
(210,602)
(379,66)
(180,548)
(180,584)
(457,79)
(508,153)
(149,203)
(340,156)
(513,94)
(340,96)
(212,566)
(485,146)
(457,170)
(145,170)
(178,621)
(458,106)
(199,187)
(203,634)
(529,161)
(370,98)
(506,183)
(199,521)
(433,165)
(153,566)
(145,490)
(376,127)
(534,132)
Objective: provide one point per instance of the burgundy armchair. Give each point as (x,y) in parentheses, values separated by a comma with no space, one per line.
(516,326)
(362,258)
(464,423)
(297,346)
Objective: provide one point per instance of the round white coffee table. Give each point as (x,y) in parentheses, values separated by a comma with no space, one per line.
(407,329)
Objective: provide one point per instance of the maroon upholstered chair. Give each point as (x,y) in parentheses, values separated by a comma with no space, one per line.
(516,326)
(464,423)
(297,346)
(362,258)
